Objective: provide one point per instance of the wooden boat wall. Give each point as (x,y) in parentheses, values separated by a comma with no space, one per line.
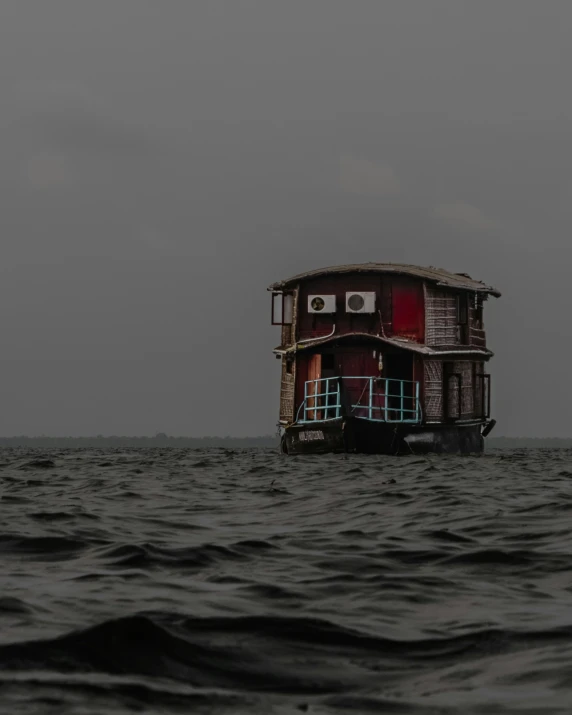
(383,358)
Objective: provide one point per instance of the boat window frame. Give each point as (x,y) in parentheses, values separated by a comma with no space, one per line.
(284,311)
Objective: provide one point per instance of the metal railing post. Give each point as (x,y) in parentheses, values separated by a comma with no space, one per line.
(370,396)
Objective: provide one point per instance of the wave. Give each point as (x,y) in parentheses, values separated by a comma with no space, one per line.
(46,547)
(327,585)
(148,555)
(38,464)
(47,691)
(252,653)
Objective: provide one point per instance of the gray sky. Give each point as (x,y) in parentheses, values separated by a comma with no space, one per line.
(163,161)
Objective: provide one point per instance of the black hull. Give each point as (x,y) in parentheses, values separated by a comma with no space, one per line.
(355,435)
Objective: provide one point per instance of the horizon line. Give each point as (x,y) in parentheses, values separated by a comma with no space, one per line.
(269,436)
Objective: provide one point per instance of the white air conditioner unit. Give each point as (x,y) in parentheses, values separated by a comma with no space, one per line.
(360,302)
(321,304)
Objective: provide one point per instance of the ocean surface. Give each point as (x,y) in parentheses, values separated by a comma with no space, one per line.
(220,581)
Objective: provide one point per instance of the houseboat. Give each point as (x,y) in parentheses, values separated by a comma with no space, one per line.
(382,358)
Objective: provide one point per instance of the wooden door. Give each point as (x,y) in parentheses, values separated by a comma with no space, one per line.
(314,373)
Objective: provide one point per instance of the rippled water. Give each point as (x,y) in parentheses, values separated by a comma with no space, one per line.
(249,582)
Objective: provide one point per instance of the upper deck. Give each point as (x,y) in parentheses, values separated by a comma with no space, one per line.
(420,307)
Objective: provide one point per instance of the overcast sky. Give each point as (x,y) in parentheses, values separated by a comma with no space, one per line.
(163,161)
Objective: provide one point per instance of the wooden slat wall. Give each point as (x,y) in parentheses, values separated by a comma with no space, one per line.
(465,368)
(478,370)
(477,336)
(287,335)
(433,390)
(441,327)
(287,393)
(464,407)
(289,331)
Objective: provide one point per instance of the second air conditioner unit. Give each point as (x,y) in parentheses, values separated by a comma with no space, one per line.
(359,302)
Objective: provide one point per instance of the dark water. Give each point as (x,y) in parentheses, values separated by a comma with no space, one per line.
(247,582)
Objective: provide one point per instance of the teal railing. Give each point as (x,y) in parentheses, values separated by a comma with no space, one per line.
(379,399)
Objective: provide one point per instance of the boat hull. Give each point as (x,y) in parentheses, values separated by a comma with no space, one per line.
(362,436)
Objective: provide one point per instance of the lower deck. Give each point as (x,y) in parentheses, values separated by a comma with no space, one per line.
(438,389)
(360,398)
(355,435)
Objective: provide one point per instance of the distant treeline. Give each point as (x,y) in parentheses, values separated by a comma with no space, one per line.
(160,440)
(528,442)
(267,441)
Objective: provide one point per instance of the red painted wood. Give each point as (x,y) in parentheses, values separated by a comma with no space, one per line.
(399,303)
(314,325)
(355,363)
(408,310)
(301,377)
(314,373)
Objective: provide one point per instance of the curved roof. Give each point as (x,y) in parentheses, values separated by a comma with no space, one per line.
(439,276)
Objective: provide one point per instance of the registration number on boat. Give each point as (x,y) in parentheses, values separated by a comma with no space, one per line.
(311,435)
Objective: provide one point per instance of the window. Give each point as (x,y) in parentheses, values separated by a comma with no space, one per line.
(462,319)
(462,309)
(282,308)
(479,312)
